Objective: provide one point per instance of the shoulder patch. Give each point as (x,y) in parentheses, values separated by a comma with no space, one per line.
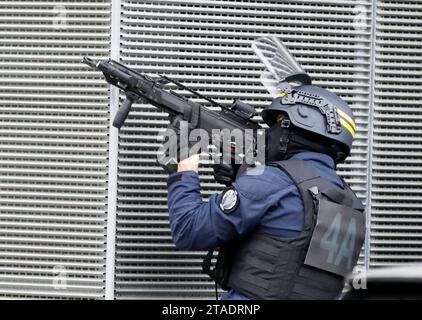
(229,200)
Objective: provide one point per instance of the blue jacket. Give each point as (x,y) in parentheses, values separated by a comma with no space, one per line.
(268,202)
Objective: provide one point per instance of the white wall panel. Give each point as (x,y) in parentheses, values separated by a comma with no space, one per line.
(53,149)
(396,224)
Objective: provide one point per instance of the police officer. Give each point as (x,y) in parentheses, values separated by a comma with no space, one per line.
(292,230)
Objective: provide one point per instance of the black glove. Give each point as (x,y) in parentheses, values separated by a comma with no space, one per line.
(225,173)
(174,148)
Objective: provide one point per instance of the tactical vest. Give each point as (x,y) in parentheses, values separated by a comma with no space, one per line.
(311,265)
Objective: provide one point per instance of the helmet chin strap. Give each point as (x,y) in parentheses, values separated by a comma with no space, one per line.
(277,141)
(285,136)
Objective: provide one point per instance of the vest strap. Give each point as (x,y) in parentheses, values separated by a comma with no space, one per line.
(304,178)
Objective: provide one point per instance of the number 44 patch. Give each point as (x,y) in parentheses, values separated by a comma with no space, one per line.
(337,238)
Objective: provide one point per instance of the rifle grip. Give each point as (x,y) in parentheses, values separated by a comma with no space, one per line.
(124,109)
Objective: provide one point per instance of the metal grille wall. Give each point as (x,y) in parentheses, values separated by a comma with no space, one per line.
(396,226)
(53,149)
(206,45)
(54,142)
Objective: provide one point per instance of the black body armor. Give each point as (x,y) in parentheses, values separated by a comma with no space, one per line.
(311,265)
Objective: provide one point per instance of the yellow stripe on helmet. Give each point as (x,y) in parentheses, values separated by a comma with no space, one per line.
(348,127)
(347,118)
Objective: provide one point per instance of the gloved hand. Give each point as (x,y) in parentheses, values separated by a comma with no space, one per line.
(224,172)
(176,145)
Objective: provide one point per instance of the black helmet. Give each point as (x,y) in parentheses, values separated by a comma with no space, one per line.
(316,111)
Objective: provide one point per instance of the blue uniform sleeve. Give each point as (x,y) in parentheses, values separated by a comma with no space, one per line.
(199,225)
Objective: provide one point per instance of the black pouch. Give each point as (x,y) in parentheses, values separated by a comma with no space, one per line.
(221,271)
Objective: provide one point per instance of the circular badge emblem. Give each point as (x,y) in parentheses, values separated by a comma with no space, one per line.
(229,200)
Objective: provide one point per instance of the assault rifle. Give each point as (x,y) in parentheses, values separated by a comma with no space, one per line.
(138,86)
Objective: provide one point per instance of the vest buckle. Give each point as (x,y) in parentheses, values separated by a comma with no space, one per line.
(314,192)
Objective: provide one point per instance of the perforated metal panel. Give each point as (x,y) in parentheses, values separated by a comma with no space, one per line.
(206,45)
(54,115)
(53,149)
(396,226)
